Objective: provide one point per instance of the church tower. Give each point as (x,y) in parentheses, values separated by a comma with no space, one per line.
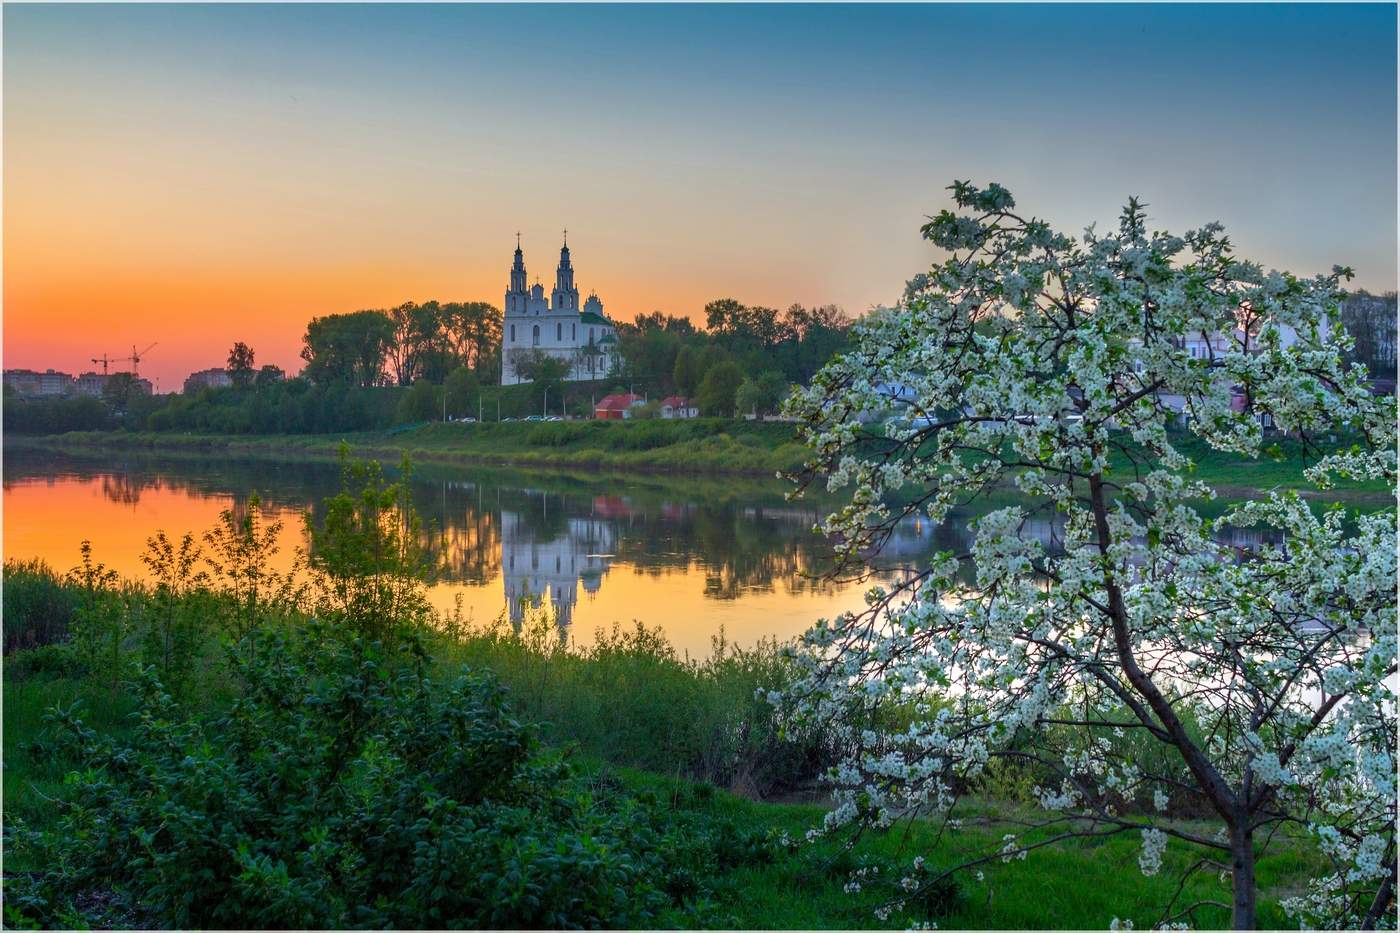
(516,294)
(565,296)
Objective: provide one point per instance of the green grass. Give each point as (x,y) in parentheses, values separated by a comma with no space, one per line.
(1081,884)
(631,711)
(702,445)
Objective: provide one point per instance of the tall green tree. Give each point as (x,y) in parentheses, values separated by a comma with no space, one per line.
(347,348)
(718,389)
(420,403)
(462,388)
(240,365)
(686,374)
(762,394)
(119,390)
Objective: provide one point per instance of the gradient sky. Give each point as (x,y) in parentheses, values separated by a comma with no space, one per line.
(196,175)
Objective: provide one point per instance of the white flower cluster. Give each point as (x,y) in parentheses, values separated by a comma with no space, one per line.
(1154,843)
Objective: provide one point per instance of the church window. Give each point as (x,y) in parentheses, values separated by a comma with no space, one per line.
(573,332)
(537,335)
(559,332)
(512,333)
(590,335)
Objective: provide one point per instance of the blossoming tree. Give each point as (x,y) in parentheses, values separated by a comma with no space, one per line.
(1137,664)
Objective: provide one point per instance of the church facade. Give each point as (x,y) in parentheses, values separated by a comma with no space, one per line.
(579,336)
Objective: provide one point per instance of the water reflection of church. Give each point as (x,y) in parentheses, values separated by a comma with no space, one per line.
(553,565)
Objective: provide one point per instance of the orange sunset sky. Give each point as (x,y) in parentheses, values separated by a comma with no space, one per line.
(196,175)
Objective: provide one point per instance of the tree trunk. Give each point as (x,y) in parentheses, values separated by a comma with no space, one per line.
(1242,867)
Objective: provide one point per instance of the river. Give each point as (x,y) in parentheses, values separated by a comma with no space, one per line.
(692,556)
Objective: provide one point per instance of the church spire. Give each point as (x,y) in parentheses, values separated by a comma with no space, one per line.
(515,295)
(565,297)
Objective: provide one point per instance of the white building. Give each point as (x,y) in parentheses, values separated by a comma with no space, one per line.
(582,337)
(48,384)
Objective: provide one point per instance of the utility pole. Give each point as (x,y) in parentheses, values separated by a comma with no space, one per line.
(546,402)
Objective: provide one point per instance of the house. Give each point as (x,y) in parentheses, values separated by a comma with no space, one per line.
(619,405)
(215,378)
(678,406)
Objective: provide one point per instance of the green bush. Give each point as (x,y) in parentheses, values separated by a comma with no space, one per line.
(557,434)
(349,787)
(37,608)
(631,699)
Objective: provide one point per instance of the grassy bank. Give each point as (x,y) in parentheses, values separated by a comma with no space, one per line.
(702,445)
(711,446)
(655,745)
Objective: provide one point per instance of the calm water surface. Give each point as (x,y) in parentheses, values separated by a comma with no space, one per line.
(692,556)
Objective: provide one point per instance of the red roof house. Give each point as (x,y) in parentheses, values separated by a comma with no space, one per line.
(678,406)
(617,406)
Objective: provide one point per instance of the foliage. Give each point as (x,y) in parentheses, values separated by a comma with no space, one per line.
(347,348)
(666,354)
(119,390)
(718,389)
(240,364)
(542,370)
(1258,673)
(686,373)
(247,587)
(420,403)
(102,622)
(629,698)
(173,640)
(1370,320)
(268,375)
(368,567)
(347,788)
(37,608)
(761,395)
(272,406)
(463,390)
(56,415)
(432,339)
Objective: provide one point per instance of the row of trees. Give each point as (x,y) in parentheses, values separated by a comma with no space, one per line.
(403,344)
(1370,320)
(664,354)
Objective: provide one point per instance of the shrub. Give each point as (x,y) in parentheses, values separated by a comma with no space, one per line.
(348,787)
(630,698)
(37,608)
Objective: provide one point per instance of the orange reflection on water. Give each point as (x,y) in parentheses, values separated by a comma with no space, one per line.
(489,556)
(49,520)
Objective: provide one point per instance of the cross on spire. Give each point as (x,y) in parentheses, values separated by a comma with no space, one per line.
(566,236)
(517,239)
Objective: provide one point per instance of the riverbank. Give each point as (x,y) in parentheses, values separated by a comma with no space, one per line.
(704,446)
(700,446)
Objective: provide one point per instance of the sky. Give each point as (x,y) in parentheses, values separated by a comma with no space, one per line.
(194,175)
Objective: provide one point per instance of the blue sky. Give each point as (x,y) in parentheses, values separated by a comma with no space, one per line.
(261,163)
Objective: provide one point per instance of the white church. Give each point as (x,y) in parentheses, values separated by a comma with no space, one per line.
(582,337)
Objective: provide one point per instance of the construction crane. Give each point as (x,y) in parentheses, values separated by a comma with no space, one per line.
(134,359)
